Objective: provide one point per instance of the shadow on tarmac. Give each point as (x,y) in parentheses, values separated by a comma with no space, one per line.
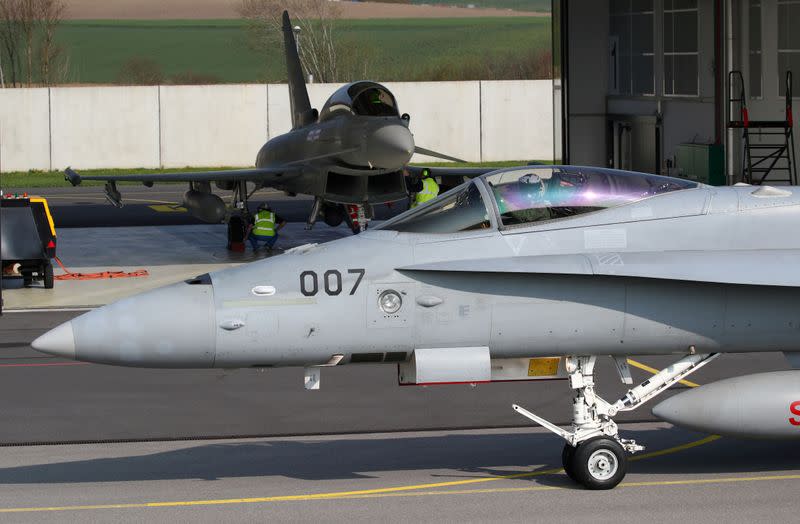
(468,455)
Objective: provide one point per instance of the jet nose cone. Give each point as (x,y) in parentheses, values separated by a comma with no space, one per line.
(59,342)
(392,146)
(167,327)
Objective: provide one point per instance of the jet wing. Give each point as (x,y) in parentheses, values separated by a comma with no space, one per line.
(756,268)
(265,175)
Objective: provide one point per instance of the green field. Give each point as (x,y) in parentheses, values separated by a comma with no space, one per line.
(382,49)
(519,5)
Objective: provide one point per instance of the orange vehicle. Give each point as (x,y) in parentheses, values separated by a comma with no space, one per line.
(28,239)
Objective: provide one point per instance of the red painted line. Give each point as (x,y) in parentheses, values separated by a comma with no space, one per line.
(43,365)
(448,383)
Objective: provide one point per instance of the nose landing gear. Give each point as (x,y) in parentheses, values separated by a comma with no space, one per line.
(594,454)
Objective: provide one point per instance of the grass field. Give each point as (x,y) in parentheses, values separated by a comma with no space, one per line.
(39,179)
(381,49)
(519,5)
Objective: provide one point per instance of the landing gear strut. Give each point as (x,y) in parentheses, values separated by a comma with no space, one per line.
(594,454)
(315,209)
(239,216)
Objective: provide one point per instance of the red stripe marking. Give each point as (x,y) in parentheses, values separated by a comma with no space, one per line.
(448,383)
(42,365)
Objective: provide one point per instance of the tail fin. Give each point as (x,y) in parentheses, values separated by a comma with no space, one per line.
(302,114)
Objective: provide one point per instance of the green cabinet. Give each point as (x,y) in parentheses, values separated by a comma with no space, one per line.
(702,162)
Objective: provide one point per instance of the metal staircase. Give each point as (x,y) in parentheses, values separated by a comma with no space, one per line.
(768,144)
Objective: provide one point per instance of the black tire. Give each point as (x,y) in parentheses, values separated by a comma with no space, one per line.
(566,460)
(27,278)
(333,214)
(48,276)
(599,463)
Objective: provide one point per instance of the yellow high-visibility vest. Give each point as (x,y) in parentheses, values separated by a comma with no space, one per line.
(264,224)
(430,190)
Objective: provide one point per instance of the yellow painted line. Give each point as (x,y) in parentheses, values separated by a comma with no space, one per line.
(655,483)
(166,208)
(644,484)
(654,371)
(694,482)
(411,490)
(682,447)
(103,199)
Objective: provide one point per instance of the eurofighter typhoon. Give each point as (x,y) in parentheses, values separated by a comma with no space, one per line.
(520,274)
(351,154)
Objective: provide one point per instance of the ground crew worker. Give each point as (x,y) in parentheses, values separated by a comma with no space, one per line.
(426,189)
(264,227)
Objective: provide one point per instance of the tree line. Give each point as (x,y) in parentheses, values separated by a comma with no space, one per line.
(29,53)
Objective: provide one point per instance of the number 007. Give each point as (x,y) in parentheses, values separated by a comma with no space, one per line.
(331,282)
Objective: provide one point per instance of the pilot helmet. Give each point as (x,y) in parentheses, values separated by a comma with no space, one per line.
(531,186)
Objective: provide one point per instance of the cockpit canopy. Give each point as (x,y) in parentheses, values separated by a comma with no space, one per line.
(547,193)
(360,98)
(526,195)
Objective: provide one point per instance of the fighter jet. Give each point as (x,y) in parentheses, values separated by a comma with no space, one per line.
(354,152)
(520,274)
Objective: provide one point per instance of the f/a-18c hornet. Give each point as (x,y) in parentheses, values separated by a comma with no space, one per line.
(354,152)
(519,274)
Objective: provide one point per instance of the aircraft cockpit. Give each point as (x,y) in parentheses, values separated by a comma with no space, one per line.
(526,195)
(362,99)
(531,195)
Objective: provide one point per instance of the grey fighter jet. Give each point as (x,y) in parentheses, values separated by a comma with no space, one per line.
(520,274)
(354,152)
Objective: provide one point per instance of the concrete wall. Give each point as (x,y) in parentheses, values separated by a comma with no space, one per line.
(516,120)
(212,125)
(445,117)
(224,125)
(24,129)
(97,127)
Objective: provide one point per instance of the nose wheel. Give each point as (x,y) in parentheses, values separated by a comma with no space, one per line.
(599,463)
(566,460)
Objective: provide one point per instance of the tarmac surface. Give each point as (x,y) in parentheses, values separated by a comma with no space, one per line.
(448,476)
(159,206)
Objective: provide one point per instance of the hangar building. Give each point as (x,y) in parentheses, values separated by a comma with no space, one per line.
(673,86)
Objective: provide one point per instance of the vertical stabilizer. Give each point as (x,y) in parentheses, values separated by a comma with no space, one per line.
(302,114)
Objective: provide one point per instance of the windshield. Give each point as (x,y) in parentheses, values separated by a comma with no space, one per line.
(360,98)
(373,101)
(461,209)
(545,193)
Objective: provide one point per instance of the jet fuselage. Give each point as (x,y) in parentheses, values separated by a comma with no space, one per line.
(637,278)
